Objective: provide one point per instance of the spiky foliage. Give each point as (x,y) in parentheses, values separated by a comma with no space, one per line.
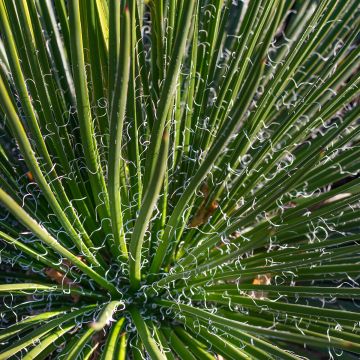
(179,179)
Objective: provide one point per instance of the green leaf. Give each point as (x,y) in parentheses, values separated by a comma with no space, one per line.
(146,210)
(40,332)
(150,345)
(117,114)
(106,315)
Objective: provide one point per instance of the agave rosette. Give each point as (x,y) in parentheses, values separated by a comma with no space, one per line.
(179,179)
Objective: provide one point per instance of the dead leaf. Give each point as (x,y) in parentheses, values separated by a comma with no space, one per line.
(204,212)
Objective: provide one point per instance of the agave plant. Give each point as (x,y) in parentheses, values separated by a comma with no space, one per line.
(179,179)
